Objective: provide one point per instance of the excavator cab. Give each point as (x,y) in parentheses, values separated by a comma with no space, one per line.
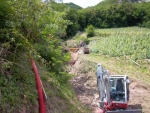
(119,88)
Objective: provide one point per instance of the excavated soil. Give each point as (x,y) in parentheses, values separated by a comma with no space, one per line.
(85,87)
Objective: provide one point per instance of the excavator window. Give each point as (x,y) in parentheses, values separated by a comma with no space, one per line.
(117,89)
(119,85)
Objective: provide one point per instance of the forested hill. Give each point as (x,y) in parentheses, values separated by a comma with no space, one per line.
(109,14)
(74,6)
(121,1)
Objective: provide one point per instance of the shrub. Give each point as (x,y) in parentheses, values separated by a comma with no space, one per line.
(90,31)
(87,41)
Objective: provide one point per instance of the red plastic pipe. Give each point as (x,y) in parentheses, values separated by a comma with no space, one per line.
(41,98)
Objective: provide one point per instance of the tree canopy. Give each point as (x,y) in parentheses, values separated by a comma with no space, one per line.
(74,6)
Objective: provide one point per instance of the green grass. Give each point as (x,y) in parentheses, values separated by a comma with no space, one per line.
(119,67)
(109,46)
(21,83)
(77,40)
(117,42)
(15,87)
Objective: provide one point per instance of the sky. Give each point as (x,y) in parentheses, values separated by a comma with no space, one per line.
(83,3)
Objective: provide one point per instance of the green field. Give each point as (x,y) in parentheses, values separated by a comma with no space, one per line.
(123,51)
(133,42)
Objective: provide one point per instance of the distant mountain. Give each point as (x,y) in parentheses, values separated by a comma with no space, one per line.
(121,1)
(74,6)
(133,1)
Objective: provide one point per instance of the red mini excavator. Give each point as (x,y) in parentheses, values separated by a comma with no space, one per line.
(113,92)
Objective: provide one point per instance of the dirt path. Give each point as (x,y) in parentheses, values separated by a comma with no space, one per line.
(85,87)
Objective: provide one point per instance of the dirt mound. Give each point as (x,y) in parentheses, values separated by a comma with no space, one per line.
(139,97)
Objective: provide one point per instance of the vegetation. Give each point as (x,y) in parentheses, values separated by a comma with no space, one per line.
(35,29)
(118,67)
(110,14)
(32,29)
(90,31)
(119,42)
(78,40)
(74,6)
(107,14)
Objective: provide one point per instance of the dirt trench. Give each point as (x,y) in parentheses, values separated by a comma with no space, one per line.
(86,89)
(84,84)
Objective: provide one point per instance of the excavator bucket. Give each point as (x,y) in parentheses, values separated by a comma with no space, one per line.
(126,111)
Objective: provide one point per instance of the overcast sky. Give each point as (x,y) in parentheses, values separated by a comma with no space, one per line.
(83,3)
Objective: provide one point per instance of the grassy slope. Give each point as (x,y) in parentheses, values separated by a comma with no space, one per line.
(61,99)
(118,65)
(18,92)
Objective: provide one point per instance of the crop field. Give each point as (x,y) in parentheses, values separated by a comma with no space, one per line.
(133,42)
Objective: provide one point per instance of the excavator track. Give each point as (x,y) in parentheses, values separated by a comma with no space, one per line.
(126,111)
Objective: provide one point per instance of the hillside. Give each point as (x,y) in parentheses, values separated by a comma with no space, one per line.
(109,14)
(33,31)
(121,1)
(41,31)
(74,6)
(114,15)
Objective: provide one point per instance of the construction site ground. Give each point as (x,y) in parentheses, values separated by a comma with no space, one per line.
(84,84)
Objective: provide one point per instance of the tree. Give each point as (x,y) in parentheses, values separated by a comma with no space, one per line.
(90,31)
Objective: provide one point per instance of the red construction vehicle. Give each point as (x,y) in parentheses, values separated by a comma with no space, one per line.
(113,92)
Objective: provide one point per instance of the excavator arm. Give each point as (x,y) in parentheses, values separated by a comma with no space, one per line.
(103,85)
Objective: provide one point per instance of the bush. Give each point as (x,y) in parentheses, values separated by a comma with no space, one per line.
(90,31)
(87,41)
(82,39)
(146,24)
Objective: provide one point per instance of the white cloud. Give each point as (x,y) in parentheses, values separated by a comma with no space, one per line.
(83,3)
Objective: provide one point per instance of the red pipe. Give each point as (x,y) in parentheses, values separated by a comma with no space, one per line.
(41,98)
